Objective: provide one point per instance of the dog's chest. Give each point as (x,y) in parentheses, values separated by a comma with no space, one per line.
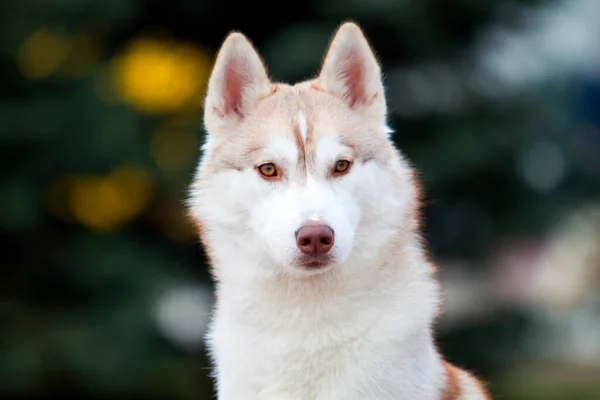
(288,365)
(303,365)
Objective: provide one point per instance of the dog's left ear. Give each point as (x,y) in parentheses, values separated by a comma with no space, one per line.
(350,70)
(237,83)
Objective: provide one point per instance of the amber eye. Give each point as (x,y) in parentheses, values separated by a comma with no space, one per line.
(341,166)
(268,170)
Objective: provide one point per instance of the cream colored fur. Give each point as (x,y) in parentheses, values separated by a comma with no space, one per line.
(360,327)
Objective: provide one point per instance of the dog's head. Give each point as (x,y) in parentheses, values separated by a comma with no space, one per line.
(304,177)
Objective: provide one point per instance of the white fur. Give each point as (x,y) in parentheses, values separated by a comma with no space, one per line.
(361,327)
(281,149)
(360,333)
(302,125)
(470,389)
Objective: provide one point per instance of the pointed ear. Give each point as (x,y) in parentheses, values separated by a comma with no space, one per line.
(238,81)
(350,70)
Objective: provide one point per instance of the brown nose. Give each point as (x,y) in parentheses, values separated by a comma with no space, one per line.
(314,240)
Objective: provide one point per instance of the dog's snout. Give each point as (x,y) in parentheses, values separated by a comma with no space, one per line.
(315,240)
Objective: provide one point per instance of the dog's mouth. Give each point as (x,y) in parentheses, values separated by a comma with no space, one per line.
(314,263)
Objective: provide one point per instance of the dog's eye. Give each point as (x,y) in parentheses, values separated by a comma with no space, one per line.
(341,166)
(268,170)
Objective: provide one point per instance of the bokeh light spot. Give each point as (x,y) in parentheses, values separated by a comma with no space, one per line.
(42,53)
(158,76)
(106,202)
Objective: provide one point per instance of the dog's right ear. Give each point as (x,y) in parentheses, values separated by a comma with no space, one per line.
(238,81)
(350,70)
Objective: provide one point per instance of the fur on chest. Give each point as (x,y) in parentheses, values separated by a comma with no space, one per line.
(300,365)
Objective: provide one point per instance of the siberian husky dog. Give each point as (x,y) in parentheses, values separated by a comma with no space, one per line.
(310,219)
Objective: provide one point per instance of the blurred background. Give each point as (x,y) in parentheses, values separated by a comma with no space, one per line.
(104,291)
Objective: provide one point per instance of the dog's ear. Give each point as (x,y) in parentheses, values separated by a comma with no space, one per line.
(350,70)
(238,81)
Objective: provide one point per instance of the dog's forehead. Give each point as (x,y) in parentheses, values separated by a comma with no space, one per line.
(307,120)
(303,125)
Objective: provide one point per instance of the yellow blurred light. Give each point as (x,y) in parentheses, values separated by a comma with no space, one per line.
(42,53)
(174,148)
(157,76)
(96,203)
(106,202)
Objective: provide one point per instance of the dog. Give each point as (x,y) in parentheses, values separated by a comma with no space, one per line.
(310,220)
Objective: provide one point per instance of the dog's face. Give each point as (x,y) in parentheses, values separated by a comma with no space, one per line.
(299,178)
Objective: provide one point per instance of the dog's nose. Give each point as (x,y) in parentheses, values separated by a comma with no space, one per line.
(315,240)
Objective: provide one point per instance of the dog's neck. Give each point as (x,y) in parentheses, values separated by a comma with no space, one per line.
(401,287)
